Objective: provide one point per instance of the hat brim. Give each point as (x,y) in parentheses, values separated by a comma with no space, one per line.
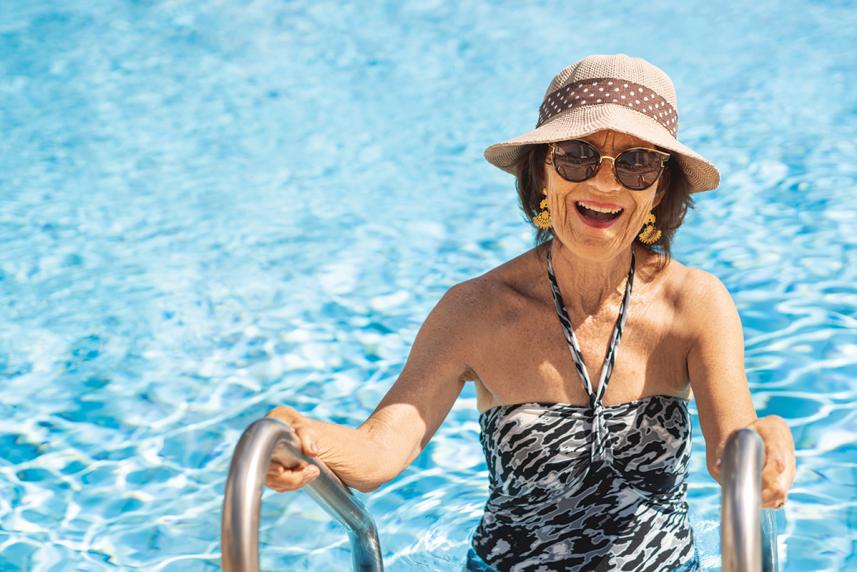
(701,174)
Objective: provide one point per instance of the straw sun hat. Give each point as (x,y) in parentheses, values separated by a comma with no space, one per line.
(615,92)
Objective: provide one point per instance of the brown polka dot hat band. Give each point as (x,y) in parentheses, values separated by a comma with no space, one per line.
(615,92)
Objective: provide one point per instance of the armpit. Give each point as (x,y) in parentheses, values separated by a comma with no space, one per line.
(468,375)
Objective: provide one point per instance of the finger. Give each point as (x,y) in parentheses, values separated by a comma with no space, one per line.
(779,473)
(775,461)
(276,467)
(773,494)
(777,504)
(309,445)
(283,412)
(311,474)
(773,466)
(282,482)
(300,477)
(274,484)
(288,481)
(275,471)
(774,501)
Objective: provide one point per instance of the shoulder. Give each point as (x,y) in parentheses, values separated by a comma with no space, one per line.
(705,293)
(691,290)
(456,327)
(711,312)
(498,295)
(699,301)
(464,301)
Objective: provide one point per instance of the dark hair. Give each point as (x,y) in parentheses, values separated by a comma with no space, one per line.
(529,173)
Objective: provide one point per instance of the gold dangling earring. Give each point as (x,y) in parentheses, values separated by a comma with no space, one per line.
(543,219)
(650,234)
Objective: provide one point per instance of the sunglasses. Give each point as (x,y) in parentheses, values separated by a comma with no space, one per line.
(577,160)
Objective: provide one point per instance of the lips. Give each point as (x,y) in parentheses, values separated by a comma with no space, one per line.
(596,219)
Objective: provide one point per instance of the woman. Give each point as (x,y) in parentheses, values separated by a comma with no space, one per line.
(587,460)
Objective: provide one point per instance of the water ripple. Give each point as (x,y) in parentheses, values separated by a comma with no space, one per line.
(213,209)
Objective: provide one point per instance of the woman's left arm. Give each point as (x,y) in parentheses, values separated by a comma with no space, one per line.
(716,367)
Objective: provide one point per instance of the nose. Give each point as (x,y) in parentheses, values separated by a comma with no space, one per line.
(605,178)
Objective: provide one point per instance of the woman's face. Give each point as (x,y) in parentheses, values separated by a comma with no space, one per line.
(567,221)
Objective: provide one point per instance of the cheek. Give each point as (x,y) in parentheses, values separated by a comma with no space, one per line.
(565,208)
(645,205)
(561,201)
(637,219)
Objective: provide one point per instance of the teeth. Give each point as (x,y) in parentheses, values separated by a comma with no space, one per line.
(599,209)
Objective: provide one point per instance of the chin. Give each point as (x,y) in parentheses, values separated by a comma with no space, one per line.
(594,245)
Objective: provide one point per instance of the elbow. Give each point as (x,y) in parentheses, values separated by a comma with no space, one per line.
(368,488)
(714,472)
(713,464)
(384,461)
(376,480)
(368,480)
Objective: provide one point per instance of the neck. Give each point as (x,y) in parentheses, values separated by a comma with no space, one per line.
(588,284)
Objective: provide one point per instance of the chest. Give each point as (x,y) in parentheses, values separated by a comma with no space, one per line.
(526,357)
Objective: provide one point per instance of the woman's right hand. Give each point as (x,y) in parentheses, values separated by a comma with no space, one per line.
(281,478)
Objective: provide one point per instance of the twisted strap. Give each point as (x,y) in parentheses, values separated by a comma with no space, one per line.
(600,449)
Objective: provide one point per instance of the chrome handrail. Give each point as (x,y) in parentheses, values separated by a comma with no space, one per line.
(268,439)
(747,532)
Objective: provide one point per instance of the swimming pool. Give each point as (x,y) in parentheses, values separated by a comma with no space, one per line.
(209,209)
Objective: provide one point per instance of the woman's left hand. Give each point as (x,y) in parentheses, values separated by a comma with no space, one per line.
(780,465)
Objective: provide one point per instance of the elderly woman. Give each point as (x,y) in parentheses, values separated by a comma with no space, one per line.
(588,460)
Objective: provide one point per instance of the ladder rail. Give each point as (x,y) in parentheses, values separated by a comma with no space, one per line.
(267,439)
(747,531)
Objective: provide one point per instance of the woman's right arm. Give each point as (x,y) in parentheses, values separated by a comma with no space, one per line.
(409,414)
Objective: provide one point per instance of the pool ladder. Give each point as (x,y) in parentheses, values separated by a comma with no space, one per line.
(747,533)
(263,440)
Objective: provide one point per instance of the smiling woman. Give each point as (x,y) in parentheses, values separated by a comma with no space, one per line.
(622,109)
(582,477)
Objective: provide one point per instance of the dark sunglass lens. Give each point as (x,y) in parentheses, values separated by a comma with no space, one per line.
(576,150)
(575,160)
(638,168)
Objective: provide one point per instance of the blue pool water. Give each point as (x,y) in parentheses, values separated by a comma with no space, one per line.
(209,209)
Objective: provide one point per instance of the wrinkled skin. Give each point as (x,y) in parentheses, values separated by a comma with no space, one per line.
(588,242)
(596,261)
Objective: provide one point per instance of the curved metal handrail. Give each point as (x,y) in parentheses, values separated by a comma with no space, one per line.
(747,532)
(268,439)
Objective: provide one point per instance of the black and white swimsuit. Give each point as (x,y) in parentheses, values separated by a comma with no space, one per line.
(586,487)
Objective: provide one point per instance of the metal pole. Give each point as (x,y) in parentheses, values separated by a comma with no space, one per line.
(263,440)
(746,544)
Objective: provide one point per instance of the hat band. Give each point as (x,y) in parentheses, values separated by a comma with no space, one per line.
(599,91)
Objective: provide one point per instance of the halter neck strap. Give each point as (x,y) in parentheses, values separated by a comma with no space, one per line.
(574,347)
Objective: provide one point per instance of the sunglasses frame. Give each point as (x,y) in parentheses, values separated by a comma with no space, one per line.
(552,151)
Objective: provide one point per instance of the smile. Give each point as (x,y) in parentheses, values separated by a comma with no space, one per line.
(597,217)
